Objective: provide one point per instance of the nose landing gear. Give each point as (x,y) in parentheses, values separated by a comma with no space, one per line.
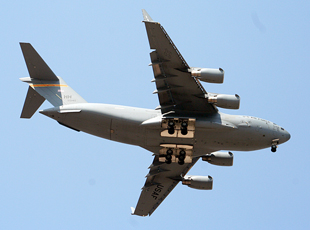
(274,145)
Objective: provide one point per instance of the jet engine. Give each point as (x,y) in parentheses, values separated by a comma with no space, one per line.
(225,101)
(219,158)
(208,75)
(198,182)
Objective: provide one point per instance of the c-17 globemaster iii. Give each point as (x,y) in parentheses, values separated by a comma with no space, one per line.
(185,126)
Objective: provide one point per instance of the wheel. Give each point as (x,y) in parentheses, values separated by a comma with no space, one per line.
(182,153)
(171,123)
(168,161)
(181,157)
(273,148)
(184,124)
(168,157)
(171,130)
(184,131)
(169,152)
(181,162)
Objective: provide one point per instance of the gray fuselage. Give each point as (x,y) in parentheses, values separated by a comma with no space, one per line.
(124,124)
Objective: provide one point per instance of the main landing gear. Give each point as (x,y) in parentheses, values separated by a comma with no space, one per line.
(176,153)
(178,127)
(181,157)
(184,125)
(169,156)
(171,127)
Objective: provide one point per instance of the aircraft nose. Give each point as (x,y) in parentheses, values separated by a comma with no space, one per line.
(287,135)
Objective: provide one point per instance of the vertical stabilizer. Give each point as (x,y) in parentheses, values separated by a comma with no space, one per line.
(44,84)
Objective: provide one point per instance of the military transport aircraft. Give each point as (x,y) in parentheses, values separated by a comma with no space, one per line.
(185,126)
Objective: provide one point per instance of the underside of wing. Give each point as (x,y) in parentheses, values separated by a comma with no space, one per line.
(177,90)
(161,180)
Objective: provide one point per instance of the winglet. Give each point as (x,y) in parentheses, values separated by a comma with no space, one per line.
(132,210)
(146,16)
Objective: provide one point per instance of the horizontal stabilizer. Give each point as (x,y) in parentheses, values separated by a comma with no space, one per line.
(32,102)
(37,67)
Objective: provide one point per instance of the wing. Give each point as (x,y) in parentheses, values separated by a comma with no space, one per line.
(161,180)
(177,90)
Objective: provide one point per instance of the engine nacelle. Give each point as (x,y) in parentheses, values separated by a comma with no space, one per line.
(208,75)
(225,101)
(219,158)
(198,182)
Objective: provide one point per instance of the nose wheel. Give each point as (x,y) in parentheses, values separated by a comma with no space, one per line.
(274,145)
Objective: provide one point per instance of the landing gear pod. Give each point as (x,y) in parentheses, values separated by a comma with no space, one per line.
(208,75)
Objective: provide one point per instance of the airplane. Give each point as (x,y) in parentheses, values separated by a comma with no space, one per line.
(186,126)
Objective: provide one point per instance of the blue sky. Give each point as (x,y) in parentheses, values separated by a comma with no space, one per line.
(54,178)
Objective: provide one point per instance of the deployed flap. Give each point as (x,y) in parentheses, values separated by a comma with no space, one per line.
(160,181)
(37,67)
(32,102)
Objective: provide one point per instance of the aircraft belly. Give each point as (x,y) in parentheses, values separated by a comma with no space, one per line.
(89,123)
(123,124)
(118,123)
(238,140)
(213,140)
(126,131)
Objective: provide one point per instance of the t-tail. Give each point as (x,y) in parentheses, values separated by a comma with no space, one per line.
(44,84)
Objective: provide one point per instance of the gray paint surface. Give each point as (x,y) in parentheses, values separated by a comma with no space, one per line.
(181,97)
